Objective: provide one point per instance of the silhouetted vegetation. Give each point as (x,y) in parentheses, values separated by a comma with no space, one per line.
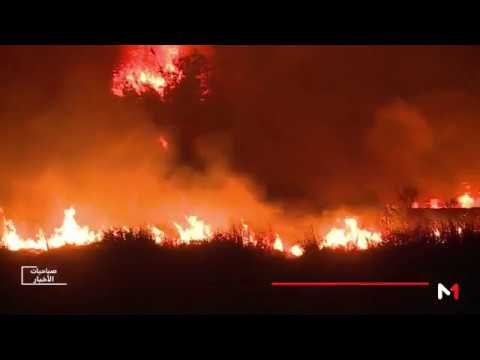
(129,273)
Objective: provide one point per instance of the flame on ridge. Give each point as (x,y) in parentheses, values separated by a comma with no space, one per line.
(351,237)
(71,233)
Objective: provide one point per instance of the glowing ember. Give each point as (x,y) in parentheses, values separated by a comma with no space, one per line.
(351,237)
(278,244)
(436,232)
(163,143)
(148,67)
(296,250)
(466,201)
(459,230)
(197,230)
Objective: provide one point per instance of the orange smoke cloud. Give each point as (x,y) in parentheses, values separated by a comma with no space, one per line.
(400,142)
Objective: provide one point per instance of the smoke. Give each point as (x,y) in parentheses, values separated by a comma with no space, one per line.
(289,137)
(428,143)
(399,142)
(351,126)
(101,154)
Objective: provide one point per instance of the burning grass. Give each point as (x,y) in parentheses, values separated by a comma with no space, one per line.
(140,271)
(128,273)
(421,226)
(440,235)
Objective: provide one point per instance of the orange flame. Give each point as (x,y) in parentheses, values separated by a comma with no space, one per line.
(158,235)
(152,67)
(351,237)
(198,230)
(297,250)
(248,237)
(70,233)
(278,244)
(12,241)
(434,203)
(466,201)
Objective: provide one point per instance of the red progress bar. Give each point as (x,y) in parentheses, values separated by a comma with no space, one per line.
(351,283)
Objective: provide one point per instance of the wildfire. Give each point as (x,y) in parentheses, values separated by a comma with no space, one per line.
(296,250)
(158,235)
(12,241)
(351,237)
(435,203)
(248,237)
(278,244)
(70,233)
(148,67)
(196,231)
(466,201)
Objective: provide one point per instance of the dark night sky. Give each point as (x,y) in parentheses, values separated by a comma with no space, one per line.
(314,127)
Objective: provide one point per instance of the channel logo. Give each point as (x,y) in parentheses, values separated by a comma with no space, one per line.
(454,290)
